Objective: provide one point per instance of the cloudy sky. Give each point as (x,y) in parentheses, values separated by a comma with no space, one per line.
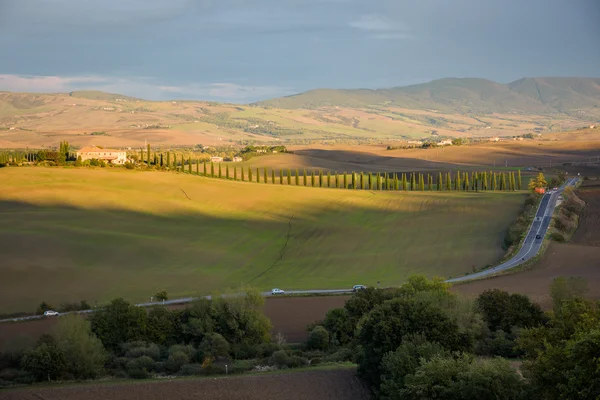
(245,50)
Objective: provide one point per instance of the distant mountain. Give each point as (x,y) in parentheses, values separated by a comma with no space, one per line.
(98,95)
(528,95)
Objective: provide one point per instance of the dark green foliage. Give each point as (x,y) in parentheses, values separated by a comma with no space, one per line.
(404,361)
(45,362)
(214,345)
(297,177)
(176,360)
(337,179)
(318,338)
(273,176)
(119,322)
(140,368)
(305,178)
(212,170)
(234,173)
(257,175)
(519,180)
(353,180)
(265,175)
(289,177)
(242,171)
(249,174)
(43,307)
(387,325)
(505,311)
(221,172)
(339,325)
(457,378)
(313,179)
(148,156)
(328,179)
(162,295)
(163,326)
(281,177)
(345,180)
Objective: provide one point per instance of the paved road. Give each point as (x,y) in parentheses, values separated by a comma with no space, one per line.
(530,248)
(531,245)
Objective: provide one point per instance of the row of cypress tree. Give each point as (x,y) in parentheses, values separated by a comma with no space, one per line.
(474,181)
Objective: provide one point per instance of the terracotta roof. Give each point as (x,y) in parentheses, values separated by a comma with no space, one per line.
(94,149)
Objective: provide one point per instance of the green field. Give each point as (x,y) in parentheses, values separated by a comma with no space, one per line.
(73,234)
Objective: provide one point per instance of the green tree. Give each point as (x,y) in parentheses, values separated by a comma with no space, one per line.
(189,165)
(405,361)
(494,182)
(205,169)
(313,179)
(466,182)
(385,327)
(235,173)
(119,322)
(162,295)
(328,179)
(396,182)
(345,180)
(45,362)
(501,310)
(227,171)
(339,325)
(43,307)
(220,172)
(83,351)
(354,180)
(281,176)
(257,175)
(273,176)
(318,339)
(148,155)
(404,183)
(214,345)
(320,178)
(289,176)
(212,170)
(249,174)
(78,163)
(504,187)
(242,172)
(265,175)
(164,326)
(421,183)
(519,180)
(305,177)
(297,177)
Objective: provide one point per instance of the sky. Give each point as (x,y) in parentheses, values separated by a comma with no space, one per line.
(247,50)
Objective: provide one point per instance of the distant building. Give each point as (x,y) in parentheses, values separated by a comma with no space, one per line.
(237,159)
(216,159)
(109,155)
(495,139)
(447,142)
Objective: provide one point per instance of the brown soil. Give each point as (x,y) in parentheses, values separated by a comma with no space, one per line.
(579,258)
(335,384)
(559,260)
(289,315)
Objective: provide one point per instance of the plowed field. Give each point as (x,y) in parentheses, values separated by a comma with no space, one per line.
(331,385)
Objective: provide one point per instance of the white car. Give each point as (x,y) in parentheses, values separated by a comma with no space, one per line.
(50,313)
(277,291)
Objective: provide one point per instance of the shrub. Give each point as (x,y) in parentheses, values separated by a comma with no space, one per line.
(297,361)
(192,369)
(244,365)
(342,355)
(558,237)
(214,345)
(318,338)
(176,360)
(280,359)
(140,368)
(129,165)
(140,348)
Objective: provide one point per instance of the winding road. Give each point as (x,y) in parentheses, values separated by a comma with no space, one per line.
(531,247)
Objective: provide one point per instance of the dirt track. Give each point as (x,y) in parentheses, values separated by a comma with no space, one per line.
(333,385)
(289,315)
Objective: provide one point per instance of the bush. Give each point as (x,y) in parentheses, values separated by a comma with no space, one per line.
(504,311)
(297,362)
(192,369)
(129,165)
(140,368)
(214,345)
(558,237)
(141,348)
(243,365)
(15,376)
(176,360)
(342,355)
(318,338)
(280,359)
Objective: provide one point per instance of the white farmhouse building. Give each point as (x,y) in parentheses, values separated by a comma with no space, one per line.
(109,155)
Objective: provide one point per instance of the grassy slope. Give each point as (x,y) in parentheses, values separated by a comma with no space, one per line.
(72,234)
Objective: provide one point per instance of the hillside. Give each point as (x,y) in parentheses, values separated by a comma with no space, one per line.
(132,233)
(445,108)
(528,95)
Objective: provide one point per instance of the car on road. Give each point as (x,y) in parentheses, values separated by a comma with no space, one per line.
(356,288)
(50,313)
(277,291)
(538,237)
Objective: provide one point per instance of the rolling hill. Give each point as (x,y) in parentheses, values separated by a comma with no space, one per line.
(528,95)
(448,107)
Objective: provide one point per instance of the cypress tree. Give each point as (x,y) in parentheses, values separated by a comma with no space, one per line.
(226,171)
(396,183)
(242,171)
(519,183)
(439,182)
(297,178)
(175,162)
(212,169)
(458,181)
(249,174)
(273,176)
(266,175)
(234,173)
(422,183)
(484,181)
(328,179)
(289,177)
(197,166)
(337,179)
(220,172)
(404,185)
(168,159)
(281,176)
(257,175)
(467,181)
(345,180)
(503,181)
(161,160)
(305,178)
(362,180)
(190,165)
(312,179)
(148,156)
(494,181)
(353,180)
(379,182)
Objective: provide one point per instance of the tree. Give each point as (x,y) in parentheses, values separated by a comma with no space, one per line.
(164,326)
(78,163)
(212,170)
(339,325)
(421,183)
(249,174)
(313,179)
(494,182)
(289,177)
(45,362)
(162,295)
(82,350)
(227,171)
(119,322)
(318,339)
(43,307)
(353,180)
(221,171)
(205,169)
(328,179)
(257,175)
(281,177)
(519,181)
(384,329)
(505,311)
(305,177)
(234,173)
(404,361)
(538,182)
(273,176)
(190,166)
(242,172)
(297,177)
(214,345)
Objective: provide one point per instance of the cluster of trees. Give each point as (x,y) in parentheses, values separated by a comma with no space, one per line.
(53,157)
(474,181)
(421,341)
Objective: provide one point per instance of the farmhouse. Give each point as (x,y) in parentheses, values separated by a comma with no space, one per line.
(216,159)
(447,142)
(110,155)
(237,159)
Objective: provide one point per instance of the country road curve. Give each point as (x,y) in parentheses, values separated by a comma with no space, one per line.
(531,247)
